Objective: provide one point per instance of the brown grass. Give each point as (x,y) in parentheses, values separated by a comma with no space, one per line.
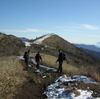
(11,76)
(91,71)
(51,61)
(95,88)
(18,84)
(15,83)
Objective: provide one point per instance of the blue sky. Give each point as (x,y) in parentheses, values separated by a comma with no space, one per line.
(77,21)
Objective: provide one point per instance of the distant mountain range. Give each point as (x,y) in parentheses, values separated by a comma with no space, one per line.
(90,49)
(93,53)
(23,39)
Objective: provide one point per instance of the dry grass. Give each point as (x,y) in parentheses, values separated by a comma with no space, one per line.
(18,84)
(91,71)
(51,61)
(15,83)
(11,76)
(96,76)
(95,88)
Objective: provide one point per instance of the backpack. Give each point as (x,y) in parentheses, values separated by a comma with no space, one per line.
(25,55)
(64,56)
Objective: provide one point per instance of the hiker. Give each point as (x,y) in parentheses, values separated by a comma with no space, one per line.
(26,58)
(28,51)
(61,58)
(38,58)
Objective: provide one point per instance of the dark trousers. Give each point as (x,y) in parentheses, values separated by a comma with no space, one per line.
(60,67)
(26,63)
(37,65)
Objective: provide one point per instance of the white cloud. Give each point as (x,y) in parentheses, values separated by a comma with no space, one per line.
(28,30)
(77,27)
(88,26)
(32,30)
(20,30)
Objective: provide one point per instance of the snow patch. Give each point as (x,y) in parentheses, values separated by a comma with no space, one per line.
(34,62)
(42,66)
(44,76)
(84,94)
(53,92)
(38,71)
(27,44)
(39,41)
(80,78)
(64,78)
(21,57)
(64,86)
(84,79)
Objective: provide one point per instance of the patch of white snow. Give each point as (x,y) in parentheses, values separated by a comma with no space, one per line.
(27,44)
(84,79)
(84,94)
(20,57)
(59,89)
(39,41)
(42,66)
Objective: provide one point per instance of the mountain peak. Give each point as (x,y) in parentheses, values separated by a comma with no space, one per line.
(42,38)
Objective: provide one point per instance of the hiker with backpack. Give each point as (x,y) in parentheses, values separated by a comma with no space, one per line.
(26,58)
(38,59)
(61,58)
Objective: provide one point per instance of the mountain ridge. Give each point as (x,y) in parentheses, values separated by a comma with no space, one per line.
(53,43)
(10,45)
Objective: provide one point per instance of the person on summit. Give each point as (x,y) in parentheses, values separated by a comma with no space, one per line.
(61,58)
(38,58)
(26,58)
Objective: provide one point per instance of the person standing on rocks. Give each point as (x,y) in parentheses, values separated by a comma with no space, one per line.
(61,58)
(38,59)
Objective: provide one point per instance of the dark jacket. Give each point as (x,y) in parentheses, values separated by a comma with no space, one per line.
(38,57)
(60,57)
(26,56)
